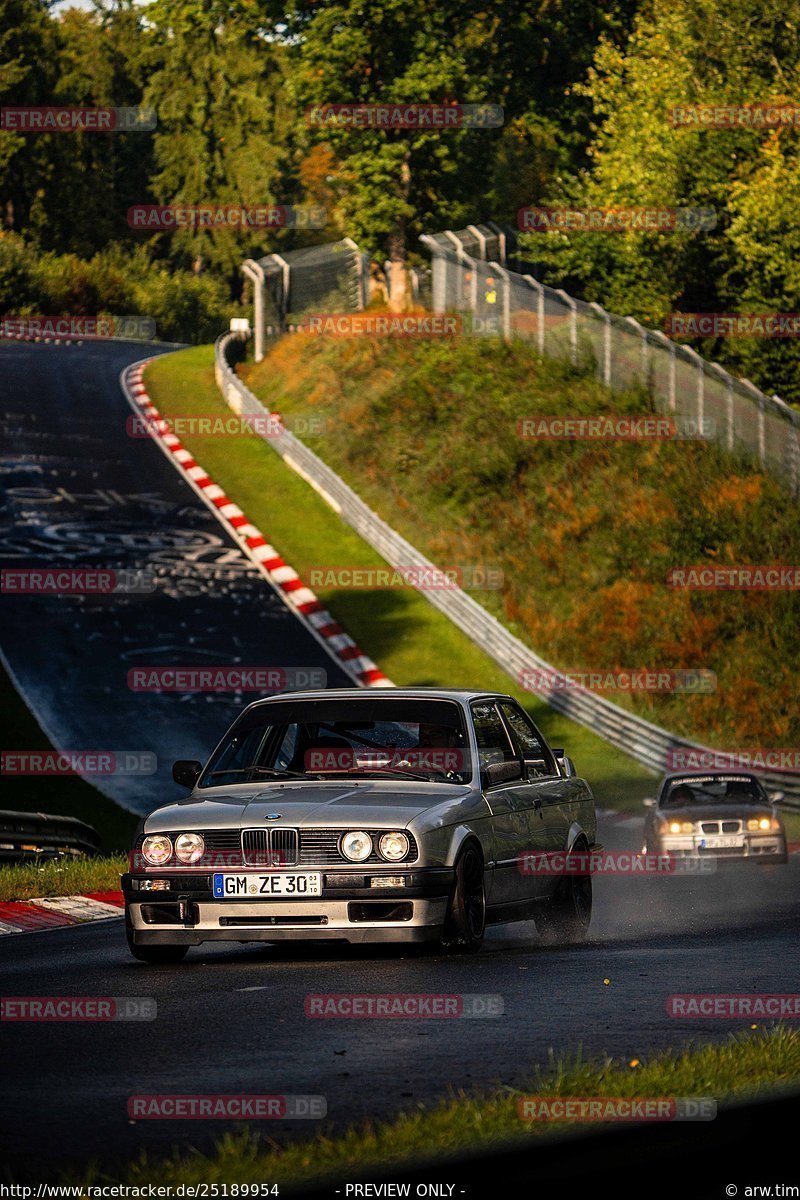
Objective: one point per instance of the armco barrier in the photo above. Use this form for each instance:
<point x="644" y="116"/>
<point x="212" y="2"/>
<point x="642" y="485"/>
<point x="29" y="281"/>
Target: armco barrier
<point x="647" y="743"/>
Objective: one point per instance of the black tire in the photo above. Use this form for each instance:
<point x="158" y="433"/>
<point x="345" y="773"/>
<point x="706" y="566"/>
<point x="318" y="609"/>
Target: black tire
<point x="155" y="955"/>
<point x="564" y="920"/>
<point x="465" y="922"/>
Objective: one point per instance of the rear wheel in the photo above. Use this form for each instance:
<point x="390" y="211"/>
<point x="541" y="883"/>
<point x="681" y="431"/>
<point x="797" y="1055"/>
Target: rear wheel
<point x="465" y="922"/>
<point x="155" y="955"/>
<point x="565" y="919"/>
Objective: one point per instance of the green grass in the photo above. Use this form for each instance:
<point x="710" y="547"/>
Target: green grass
<point x="745" y="1065"/>
<point x="412" y="642"/>
<point x="67" y="877"/>
<point x="584" y="532"/>
<point x="62" y="795"/>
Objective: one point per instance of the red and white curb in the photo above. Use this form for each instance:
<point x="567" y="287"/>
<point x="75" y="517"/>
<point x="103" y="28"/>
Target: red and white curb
<point x="295" y="593"/>
<point x="34" y="916"/>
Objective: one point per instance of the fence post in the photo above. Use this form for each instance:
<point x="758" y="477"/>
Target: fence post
<point x="501" y="241"/>
<point x="573" y="323"/>
<point x="701" y="379"/>
<point x="644" y="351"/>
<point x="759" y="396"/>
<point x="438" y="273"/>
<point x="606" y="319"/>
<point x="793" y="455"/>
<point x="730" y="409"/>
<point x="539" y="289"/>
<point x="473" y="229"/>
<point x="286" y="275"/>
<point x="255" y="273"/>
<point x="504" y="275"/>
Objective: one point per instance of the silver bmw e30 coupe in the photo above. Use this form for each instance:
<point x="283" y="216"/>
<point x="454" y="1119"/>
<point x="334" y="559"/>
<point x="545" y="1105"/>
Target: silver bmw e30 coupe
<point x="383" y="815"/>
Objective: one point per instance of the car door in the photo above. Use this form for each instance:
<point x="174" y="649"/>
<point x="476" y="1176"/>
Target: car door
<point x="551" y="801"/>
<point x="510" y="802"/>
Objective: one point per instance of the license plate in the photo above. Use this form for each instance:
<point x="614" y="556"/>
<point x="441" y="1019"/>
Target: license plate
<point x="255" y="887"/>
<point x="723" y="843"/>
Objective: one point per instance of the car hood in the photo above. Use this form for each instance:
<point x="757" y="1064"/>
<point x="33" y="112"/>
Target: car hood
<point x="716" y="812"/>
<point x="331" y="804"/>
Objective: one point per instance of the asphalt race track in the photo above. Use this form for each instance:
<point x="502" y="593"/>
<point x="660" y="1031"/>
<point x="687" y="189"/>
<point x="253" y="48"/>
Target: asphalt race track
<point x="80" y="492"/>
<point x="232" y="1020"/>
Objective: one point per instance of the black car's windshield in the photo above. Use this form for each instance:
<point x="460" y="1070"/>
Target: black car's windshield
<point x="363" y="737"/>
<point x="712" y="789"/>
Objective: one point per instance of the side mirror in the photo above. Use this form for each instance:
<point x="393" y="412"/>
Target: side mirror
<point x="186" y="771"/>
<point x="649" y="802"/>
<point x="776" y="797"/>
<point x="565" y="764"/>
<point x="500" y="772"/>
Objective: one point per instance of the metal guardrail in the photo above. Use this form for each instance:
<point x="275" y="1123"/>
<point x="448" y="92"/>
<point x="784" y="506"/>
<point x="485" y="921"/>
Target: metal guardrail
<point x="26" y="837"/>
<point x="647" y="743"/>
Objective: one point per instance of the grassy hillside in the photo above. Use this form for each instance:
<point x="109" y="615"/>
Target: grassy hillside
<point x="585" y="533"/>
<point x="412" y="642"/>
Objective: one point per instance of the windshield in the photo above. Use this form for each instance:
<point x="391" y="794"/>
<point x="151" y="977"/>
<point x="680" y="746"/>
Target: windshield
<point x="362" y="737"/>
<point x="713" y="789"/>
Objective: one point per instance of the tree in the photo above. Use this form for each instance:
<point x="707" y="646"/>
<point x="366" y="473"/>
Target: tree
<point x="722" y="52"/>
<point x="218" y="93"/>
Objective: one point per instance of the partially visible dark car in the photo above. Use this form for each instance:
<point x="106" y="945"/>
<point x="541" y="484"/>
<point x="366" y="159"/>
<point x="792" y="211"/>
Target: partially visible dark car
<point x="26" y="837"/>
<point x="716" y="815"/>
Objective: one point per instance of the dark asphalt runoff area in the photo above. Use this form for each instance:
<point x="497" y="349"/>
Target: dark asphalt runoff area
<point x="79" y="492"/>
<point x="232" y="1019"/>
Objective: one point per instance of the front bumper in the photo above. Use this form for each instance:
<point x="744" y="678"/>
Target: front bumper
<point x="760" y="848"/>
<point x="186" y="912"/>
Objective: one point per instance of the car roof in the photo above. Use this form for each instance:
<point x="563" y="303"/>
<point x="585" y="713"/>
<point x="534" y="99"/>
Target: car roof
<point x="460" y="695"/>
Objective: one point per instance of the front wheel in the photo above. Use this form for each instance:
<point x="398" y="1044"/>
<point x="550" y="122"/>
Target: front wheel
<point x="565" y="919"/>
<point x="465" y="923"/>
<point x="155" y="955"/>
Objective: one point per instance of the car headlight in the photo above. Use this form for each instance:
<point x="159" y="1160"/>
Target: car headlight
<point x="157" y="849"/>
<point x="356" y="846"/>
<point x="393" y="846"/>
<point x="762" y="824"/>
<point x="189" y="847"/>
<point x="681" y="827"/>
